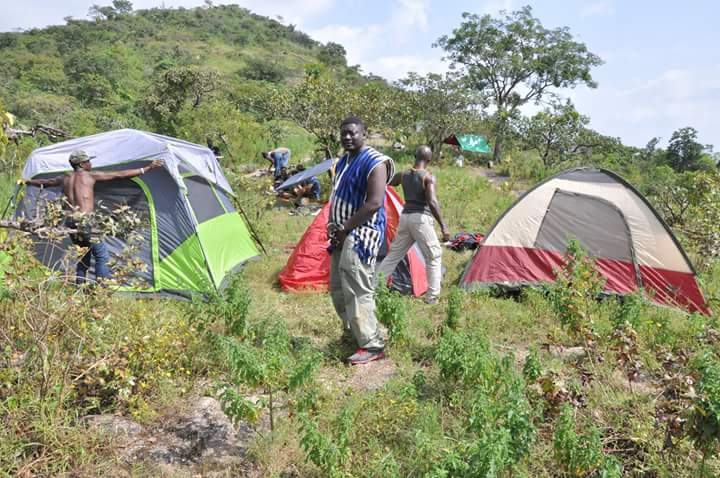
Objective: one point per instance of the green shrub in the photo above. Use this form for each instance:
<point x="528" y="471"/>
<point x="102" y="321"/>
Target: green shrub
<point x="499" y="430"/>
<point x="392" y="313"/>
<point x="268" y="360"/>
<point x="575" y="292"/>
<point x="261" y="69"/>
<point x="328" y="450"/>
<point x="532" y="369"/>
<point x="465" y="358"/>
<point x="630" y="310"/>
<point x="704" y="421"/>
<point x="580" y="454"/>
<point x="522" y="166"/>
<point x="454" y="307"/>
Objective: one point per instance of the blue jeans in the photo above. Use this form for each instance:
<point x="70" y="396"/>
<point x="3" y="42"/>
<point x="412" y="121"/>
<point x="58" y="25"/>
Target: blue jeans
<point x="100" y="252"/>
<point x="280" y="160"/>
<point x="315" y="190"/>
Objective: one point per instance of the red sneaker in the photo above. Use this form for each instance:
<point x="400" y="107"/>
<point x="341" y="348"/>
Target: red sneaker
<point x="363" y="356"/>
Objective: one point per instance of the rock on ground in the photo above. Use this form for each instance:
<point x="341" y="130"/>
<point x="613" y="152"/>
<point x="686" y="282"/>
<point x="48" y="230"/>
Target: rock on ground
<point x="200" y="442"/>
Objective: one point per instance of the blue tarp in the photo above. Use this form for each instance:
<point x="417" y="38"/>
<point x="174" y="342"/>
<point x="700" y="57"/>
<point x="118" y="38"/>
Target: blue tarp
<point x="298" y="178"/>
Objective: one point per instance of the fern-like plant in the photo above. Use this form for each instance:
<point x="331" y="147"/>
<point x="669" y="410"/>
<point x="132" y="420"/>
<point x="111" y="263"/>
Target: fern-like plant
<point x="577" y="286"/>
<point x="581" y="455"/>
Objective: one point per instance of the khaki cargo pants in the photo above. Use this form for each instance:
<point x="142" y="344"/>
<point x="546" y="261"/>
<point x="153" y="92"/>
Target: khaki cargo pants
<point x="420" y="228"/>
<point x="352" y="288"/>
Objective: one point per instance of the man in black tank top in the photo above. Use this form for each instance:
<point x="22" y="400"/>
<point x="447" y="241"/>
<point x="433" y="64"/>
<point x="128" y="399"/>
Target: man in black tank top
<point x="417" y="224"/>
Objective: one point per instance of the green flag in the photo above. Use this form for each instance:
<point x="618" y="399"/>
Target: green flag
<point x="473" y="142"/>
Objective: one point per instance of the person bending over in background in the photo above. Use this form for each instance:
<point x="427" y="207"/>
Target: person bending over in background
<point x="79" y="188"/>
<point x="356" y="229"/>
<point x="416" y="222"/>
<point x="279" y="158"/>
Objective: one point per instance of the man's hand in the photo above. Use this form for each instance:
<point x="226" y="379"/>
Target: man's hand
<point x="445" y="235"/>
<point x="338" y="238"/>
<point x="336" y="234"/>
<point x="156" y="163"/>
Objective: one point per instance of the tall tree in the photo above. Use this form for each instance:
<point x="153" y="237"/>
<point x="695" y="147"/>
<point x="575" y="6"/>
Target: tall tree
<point x="439" y="106"/>
<point x="554" y="132"/>
<point x="684" y="151"/>
<point x="319" y="103"/>
<point x="514" y="59"/>
<point x="118" y="9"/>
<point x="176" y="89"/>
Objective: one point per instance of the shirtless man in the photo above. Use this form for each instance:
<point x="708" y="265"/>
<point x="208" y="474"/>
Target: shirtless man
<point x="79" y="189"/>
<point x="417" y="224"/>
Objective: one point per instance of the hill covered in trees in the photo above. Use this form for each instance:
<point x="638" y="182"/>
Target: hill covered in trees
<point x="153" y="69"/>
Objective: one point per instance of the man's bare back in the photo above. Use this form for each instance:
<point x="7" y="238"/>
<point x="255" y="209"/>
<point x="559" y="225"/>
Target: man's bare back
<point x="79" y="188"/>
<point x="79" y="185"/>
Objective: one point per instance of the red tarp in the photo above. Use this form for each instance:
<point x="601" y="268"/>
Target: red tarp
<point x="308" y="267"/>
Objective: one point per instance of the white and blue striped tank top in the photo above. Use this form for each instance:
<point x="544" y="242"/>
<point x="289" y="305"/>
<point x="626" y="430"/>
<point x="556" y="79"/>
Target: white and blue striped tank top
<point x="350" y="193"/>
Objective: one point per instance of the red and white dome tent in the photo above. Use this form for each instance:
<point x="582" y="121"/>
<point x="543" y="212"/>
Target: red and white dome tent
<point x="633" y="247"/>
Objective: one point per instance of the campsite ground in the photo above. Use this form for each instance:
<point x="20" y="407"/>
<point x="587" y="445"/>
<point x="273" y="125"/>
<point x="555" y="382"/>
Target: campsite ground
<point x="624" y="411"/>
<point x="406" y="418"/>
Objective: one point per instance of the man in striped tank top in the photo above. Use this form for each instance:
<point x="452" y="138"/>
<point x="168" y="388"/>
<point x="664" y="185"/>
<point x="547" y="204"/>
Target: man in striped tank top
<point x="416" y="223"/>
<point x="356" y="229"/>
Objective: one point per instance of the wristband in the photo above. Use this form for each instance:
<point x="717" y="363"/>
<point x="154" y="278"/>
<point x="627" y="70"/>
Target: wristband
<point x="142" y="170"/>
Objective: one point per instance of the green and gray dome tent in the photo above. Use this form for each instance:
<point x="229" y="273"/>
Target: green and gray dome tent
<point x="194" y="238"/>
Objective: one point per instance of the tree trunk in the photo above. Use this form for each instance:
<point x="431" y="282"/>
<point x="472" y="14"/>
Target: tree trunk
<point x="499" y="135"/>
<point x="497" y="149"/>
<point x="435" y="147"/>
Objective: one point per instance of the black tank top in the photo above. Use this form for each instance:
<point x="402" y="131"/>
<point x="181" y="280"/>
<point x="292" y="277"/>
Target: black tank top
<point x="413" y="187"/>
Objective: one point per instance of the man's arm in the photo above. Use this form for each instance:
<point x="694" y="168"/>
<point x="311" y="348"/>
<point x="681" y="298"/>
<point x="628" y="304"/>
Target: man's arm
<point x="374" y="200"/>
<point x="431" y="198"/>
<point x="125" y="174"/>
<point x="396" y="180"/>
<point x="56" y="181"/>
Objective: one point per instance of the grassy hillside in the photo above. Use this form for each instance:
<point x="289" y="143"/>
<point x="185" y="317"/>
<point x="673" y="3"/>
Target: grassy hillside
<point x="93" y="75"/>
<point x="550" y="383"/>
<point x="474" y="382"/>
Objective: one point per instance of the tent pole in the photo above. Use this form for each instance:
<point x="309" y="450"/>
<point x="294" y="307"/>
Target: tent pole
<point x="253" y="232"/>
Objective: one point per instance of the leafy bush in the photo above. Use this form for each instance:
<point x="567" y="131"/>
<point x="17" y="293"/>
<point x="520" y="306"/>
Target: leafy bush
<point x="262" y="69"/>
<point x="454" y="306"/>
<point x="230" y="308"/>
<point x="630" y="310"/>
<point x="65" y="353"/>
<point x="580" y="454"/>
<point x="465" y="358"/>
<point x="259" y="356"/>
<point x="532" y="369"/>
<point x="522" y="166"/>
<point x="704" y="421"/>
<point x="328" y="450"/>
<point x="576" y="289"/>
<point x="391" y="312"/>
<point x="499" y="424"/>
